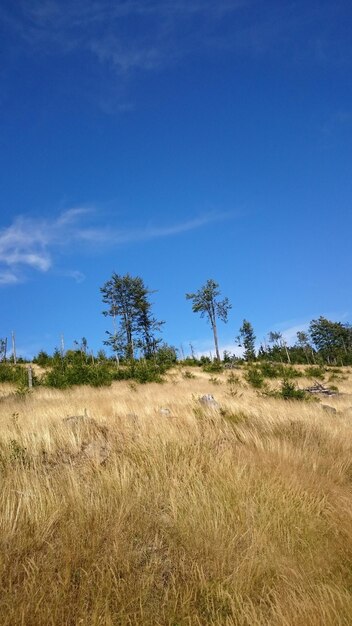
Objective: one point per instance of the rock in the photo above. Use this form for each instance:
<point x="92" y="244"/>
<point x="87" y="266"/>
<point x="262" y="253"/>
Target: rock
<point x="329" y="409"/>
<point x="95" y="446"/>
<point x="209" y="401"/>
<point x="164" y="411"/>
<point x="96" y="451"/>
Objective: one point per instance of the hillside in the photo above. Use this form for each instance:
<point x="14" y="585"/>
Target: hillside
<point x="153" y="509"/>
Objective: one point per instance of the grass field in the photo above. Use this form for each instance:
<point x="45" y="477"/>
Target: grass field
<point x="235" y="516"/>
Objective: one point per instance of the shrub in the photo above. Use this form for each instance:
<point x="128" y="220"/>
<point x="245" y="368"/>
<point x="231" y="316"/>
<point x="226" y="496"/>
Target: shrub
<point x="15" y="374"/>
<point x="288" y="391"/>
<point x="63" y="375"/>
<point x="270" y="370"/>
<point x="233" y="382"/>
<point x="42" y="359"/>
<point x="187" y="374"/>
<point x="278" y="370"/>
<point x="166" y="356"/>
<point x="147" y="372"/>
<point x="315" y="371"/>
<point x="213" y="367"/>
<point x="254" y="377"/>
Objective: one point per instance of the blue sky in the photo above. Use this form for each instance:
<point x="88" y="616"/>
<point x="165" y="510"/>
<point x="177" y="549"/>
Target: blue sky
<point x="177" y="141"/>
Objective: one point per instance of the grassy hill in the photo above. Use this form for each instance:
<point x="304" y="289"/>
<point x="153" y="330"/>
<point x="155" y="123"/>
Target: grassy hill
<point x="153" y="509"/>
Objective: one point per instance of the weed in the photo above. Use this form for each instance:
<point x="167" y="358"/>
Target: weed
<point x="187" y="375"/>
<point x="18" y="453"/>
<point x="233" y="383"/>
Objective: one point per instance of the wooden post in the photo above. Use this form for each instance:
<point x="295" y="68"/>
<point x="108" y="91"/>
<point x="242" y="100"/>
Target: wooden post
<point x="14" y="348"/>
<point x="30" y="377"/>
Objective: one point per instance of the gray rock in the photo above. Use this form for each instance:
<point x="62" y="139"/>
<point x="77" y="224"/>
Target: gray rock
<point x="164" y="411"/>
<point x="329" y="409"/>
<point x="209" y="401"/>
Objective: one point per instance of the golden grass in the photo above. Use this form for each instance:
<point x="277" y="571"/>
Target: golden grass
<point x="238" y="517"/>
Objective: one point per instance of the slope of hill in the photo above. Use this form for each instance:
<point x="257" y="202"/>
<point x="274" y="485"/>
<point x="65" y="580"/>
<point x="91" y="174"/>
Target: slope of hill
<point x="147" y="507"/>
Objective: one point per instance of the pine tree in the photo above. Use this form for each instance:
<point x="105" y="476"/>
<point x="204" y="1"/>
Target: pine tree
<point x="134" y="325"/>
<point x="246" y="340"/>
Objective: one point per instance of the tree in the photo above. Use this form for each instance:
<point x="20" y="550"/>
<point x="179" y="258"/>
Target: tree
<point x="134" y="325"/>
<point x="304" y="345"/>
<point x="278" y="343"/>
<point x="246" y="340"/>
<point x="148" y="326"/>
<point x="333" y="340"/>
<point x="205" y="302"/>
<point x="3" y="349"/>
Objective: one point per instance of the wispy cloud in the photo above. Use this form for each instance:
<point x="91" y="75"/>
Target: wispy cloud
<point x="103" y="27"/>
<point x="149" y="34"/>
<point x="8" y="277"/>
<point x="30" y="243"/>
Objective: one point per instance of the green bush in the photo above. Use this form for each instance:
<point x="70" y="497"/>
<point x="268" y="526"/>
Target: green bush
<point x="63" y="375"/>
<point x="288" y="391"/>
<point x="254" y="377"/>
<point x="15" y="374"/>
<point x="213" y="367"/>
<point x="147" y="372"/>
<point x="278" y="370"/>
<point x="166" y="355"/>
<point x="42" y="359"/>
<point x="315" y="371"/>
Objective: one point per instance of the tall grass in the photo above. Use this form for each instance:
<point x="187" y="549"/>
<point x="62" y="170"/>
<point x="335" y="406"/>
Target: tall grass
<point x="239" y="516"/>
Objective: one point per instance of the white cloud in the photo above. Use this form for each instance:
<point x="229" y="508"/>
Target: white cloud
<point x="8" y="277"/>
<point x="99" y="27"/>
<point x="32" y="243"/>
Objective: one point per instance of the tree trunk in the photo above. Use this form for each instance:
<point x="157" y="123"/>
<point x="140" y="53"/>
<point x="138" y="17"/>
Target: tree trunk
<point x="287" y="354"/>
<point x="215" y="332"/>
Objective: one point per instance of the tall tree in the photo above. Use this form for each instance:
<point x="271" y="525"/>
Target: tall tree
<point x="333" y="340"/>
<point x="206" y="303"/>
<point x="304" y="345"/>
<point x="278" y="343"/>
<point x="147" y="325"/>
<point x="246" y="340"/>
<point x="133" y="323"/>
<point x="3" y="349"/>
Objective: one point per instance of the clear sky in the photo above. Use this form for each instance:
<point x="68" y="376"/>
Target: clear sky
<point x="178" y="140"/>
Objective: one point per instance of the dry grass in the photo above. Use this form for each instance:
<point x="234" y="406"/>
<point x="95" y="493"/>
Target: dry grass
<point x="198" y="517"/>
